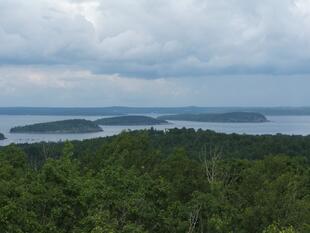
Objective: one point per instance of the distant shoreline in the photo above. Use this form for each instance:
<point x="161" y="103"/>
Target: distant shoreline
<point x="117" y="111"/>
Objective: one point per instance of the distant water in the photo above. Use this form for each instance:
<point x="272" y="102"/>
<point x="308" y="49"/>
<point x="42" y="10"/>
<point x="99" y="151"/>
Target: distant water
<point x="291" y="125"/>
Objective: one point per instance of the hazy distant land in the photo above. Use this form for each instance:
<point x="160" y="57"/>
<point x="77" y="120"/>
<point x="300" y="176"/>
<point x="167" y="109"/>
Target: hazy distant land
<point x="131" y="120"/>
<point x="233" y="117"/>
<point x="59" y="127"/>
<point x="113" y="111"/>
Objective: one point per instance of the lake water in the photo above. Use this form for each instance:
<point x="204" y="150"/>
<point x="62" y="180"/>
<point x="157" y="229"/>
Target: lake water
<point x="291" y="125"/>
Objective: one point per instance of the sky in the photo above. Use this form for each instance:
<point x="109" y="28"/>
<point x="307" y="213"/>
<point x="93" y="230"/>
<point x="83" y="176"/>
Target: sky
<point x="154" y="53"/>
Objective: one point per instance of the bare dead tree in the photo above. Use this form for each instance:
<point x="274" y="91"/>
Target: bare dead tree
<point x="210" y="159"/>
<point x="45" y="151"/>
<point x="193" y="219"/>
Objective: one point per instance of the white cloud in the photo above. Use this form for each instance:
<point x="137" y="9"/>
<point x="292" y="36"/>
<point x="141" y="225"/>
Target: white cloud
<point x="62" y="86"/>
<point x="154" y="39"/>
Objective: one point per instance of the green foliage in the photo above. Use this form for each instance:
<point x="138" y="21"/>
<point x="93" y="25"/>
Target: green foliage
<point x="150" y="181"/>
<point x="274" y="228"/>
<point x="68" y="149"/>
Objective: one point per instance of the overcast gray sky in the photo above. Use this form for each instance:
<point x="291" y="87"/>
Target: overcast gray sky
<point x="154" y="52"/>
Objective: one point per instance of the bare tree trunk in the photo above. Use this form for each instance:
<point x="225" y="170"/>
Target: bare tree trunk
<point x="193" y="219"/>
<point x="45" y="152"/>
<point x="210" y="161"/>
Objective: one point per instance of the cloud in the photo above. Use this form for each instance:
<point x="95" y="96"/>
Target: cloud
<point x="156" y="39"/>
<point x="160" y="53"/>
<point x="37" y="86"/>
<point x="60" y="86"/>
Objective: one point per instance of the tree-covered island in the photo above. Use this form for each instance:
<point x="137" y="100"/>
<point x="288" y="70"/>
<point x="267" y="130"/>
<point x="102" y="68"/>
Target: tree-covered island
<point x="65" y="126"/>
<point x="130" y="120"/>
<point x="231" y="117"/>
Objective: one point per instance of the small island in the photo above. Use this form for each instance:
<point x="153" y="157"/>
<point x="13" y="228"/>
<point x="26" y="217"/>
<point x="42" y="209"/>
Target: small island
<point x="130" y="120"/>
<point x="231" y="117"/>
<point x="60" y="127"/>
<point x="2" y="136"/>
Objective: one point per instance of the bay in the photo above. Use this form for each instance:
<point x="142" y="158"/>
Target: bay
<point x="290" y="125"/>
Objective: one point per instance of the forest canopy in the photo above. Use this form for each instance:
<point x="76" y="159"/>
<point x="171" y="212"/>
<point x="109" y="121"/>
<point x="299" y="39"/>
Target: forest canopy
<point x="147" y="181"/>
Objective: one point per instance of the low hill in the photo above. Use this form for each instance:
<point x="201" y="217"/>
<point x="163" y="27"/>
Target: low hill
<point x="233" y="117"/>
<point x="66" y="126"/>
<point x="2" y="136"/>
<point x="130" y="120"/>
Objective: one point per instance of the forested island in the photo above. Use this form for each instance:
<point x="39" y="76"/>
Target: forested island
<point x="232" y="117"/>
<point x="65" y="126"/>
<point x="2" y="137"/>
<point x="150" y="181"/>
<point x="131" y="120"/>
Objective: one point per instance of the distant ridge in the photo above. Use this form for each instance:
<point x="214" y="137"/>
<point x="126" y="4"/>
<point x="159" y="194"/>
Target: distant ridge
<point x="120" y="110"/>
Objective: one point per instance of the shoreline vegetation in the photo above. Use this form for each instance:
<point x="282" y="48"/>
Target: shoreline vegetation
<point x="231" y="117"/>
<point x="130" y="120"/>
<point x="59" y="127"/>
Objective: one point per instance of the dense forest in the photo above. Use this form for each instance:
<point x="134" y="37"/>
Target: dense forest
<point x="65" y="126"/>
<point x="242" y="117"/>
<point x="146" y="181"/>
<point x="2" y="137"/>
<point x="130" y="120"/>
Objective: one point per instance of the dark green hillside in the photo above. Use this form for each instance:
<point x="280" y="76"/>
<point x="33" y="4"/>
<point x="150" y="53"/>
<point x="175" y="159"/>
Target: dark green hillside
<point x="66" y="126"/>
<point x="2" y="136"/>
<point x="236" y="117"/>
<point x="130" y="120"/>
